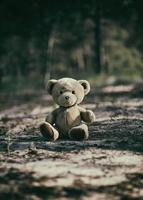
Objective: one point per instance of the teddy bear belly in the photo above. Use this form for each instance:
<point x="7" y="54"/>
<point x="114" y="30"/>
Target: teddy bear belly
<point x="68" y="119"/>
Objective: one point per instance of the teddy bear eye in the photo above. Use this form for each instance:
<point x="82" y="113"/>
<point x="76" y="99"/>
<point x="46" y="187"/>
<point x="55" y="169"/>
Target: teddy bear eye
<point x="73" y="92"/>
<point x="61" y="92"/>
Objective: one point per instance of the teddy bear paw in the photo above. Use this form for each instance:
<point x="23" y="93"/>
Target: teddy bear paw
<point x="79" y="132"/>
<point x="48" y="131"/>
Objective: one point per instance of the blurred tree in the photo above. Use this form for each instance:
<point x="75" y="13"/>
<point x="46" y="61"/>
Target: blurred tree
<point x="60" y="36"/>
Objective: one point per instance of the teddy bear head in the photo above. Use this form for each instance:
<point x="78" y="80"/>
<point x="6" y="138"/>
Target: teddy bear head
<point x="68" y="92"/>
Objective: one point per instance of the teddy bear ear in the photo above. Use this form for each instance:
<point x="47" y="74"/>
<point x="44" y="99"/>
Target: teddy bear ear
<point x="85" y="84"/>
<point x="50" y="85"/>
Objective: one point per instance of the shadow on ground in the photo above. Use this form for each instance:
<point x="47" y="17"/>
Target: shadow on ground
<point x="115" y="134"/>
<point x="17" y="184"/>
<point x="107" y="166"/>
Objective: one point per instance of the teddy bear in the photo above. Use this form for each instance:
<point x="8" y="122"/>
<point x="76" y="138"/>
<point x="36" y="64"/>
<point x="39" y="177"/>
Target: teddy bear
<point x="69" y="120"/>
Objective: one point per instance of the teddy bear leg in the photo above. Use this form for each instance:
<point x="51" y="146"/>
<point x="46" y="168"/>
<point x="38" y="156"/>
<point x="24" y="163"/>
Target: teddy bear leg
<point x="79" y="132"/>
<point x="49" y="132"/>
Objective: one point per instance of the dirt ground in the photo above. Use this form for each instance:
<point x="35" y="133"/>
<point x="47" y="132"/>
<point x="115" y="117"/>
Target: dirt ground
<point x="107" y="166"/>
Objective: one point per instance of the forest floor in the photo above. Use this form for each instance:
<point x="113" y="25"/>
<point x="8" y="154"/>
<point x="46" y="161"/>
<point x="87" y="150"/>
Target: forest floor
<point x="108" y="166"/>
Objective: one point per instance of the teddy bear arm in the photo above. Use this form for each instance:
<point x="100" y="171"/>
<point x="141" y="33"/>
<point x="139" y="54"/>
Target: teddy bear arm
<point x="87" y="115"/>
<point x="51" y="117"/>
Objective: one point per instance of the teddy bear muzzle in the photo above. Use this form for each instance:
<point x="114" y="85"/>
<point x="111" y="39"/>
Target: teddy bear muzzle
<point x="67" y="99"/>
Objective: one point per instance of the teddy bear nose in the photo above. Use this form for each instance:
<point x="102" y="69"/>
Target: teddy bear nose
<point x="67" y="97"/>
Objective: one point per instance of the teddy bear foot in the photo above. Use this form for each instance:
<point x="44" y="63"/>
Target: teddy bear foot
<point x="49" y="132"/>
<point x="79" y="132"/>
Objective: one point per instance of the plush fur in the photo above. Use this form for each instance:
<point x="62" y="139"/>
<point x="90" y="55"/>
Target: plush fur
<point x="67" y="120"/>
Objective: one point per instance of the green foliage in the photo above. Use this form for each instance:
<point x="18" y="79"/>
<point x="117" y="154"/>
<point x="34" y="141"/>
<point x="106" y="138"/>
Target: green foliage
<point x="123" y="60"/>
<point x="60" y="39"/>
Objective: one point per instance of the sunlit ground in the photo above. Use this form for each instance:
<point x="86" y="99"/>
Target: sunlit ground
<point x="107" y="166"/>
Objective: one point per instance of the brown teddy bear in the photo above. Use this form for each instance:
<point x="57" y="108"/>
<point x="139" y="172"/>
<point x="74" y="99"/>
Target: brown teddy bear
<point x="67" y="120"/>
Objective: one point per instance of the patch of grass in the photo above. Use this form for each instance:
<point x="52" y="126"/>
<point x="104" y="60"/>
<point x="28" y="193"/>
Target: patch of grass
<point x="36" y="83"/>
<point x="22" y="84"/>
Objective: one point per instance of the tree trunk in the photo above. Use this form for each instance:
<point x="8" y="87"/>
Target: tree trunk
<point x="98" y="44"/>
